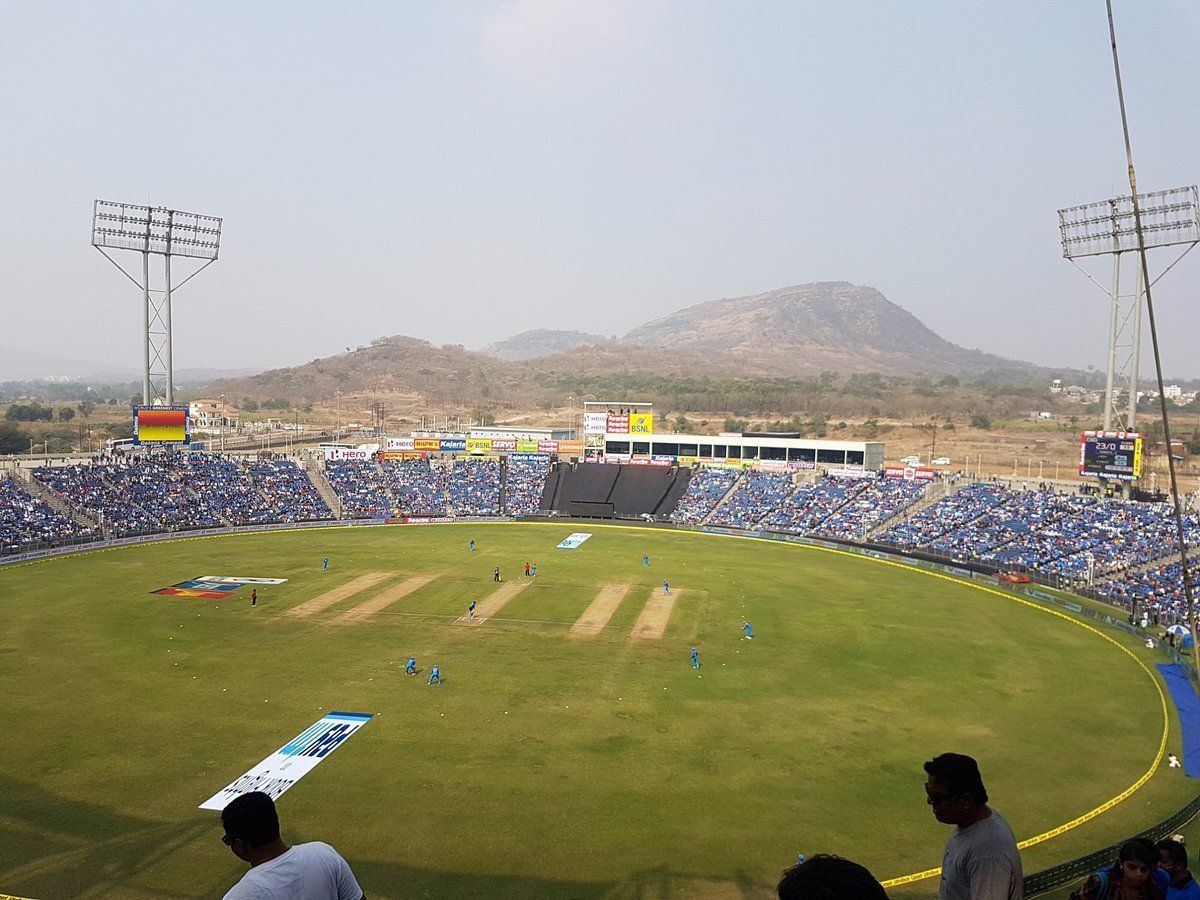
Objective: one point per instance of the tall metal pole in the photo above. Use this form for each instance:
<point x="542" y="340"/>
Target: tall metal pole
<point x="1131" y="417"/>
<point x="1112" y="343"/>
<point x="1180" y="535"/>
<point x="145" y="328"/>
<point x="170" y="363"/>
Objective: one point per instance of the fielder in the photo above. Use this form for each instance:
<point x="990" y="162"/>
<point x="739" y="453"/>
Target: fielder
<point x="435" y="676"/>
<point x="411" y="667"/>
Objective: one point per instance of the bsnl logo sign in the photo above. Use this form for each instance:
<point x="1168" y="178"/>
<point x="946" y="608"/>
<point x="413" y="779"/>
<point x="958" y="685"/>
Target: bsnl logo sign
<point x="641" y="423"/>
<point x="320" y="740"/>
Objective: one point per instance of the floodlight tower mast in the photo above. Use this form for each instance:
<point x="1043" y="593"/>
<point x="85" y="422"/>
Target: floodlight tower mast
<point x="1168" y="219"/>
<point x="162" y="232"/>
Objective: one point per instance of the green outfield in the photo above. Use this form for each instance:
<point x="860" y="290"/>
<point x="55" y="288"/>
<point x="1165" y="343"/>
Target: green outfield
<point x="558" y="759"/>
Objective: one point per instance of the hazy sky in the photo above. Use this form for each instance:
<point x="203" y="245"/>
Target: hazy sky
<point x="461" y="172"/>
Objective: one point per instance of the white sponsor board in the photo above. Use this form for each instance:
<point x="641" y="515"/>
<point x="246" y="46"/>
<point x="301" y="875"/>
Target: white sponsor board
<point x="571" y="541"/>
<point x="293" y="760"/>
<point x="851" y="472"/>
<point x="237" y="579"/>
<point x="595" y="423"/>
<point x="336" y="453"/>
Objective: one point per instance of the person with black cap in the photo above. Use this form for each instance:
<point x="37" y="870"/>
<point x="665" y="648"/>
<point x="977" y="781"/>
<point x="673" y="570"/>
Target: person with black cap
<point x="312" y="871"/>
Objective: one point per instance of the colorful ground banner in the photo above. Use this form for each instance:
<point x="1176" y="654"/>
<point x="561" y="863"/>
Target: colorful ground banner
<point x="240" y="579"/>
<point x="571" y="541"/>
<point x="161" y="425"/>
<point x="293" y="760"/>
<point x="199" y="590"/>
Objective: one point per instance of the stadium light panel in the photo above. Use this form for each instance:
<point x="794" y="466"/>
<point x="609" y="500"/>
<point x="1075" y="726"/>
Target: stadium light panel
<point x="1169" y="218"/>
<point x="126" y="226"/>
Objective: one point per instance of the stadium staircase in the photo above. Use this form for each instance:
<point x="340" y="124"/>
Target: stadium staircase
<point x="737" y="482"/>
<point x="502" y="499"/>
<point x="393" y="504"/>
<point x="938" y="490"/>
<point x="56" y="502"/>
<point x="316" y="474"/>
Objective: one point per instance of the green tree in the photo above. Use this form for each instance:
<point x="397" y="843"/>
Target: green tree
<point x="86" y="408"/>
<point x="682" y="424"/>
<point x="249" y="405"/>
<point x="12" y="438"/>
<point x="979" y="420"/>
<point x="66" y="413"/>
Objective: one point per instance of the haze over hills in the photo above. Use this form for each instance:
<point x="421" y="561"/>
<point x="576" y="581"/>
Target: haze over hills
<point x="795" y="331"/>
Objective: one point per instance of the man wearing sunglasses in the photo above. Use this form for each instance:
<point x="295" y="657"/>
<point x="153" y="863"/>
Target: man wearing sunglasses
<point x="312" y="871"/>
<point x="981" y="861"/>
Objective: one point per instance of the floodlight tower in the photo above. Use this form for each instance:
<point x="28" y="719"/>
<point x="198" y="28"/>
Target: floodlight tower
<point x="163" y="232"/>
<point x="1169" y="219"/>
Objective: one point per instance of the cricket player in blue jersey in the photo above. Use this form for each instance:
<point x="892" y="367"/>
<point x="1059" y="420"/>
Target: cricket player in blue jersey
<point x="411" y="667"/>
<point x="749" y="631"/>
<point x="435" y="675"/>
<point x="666" y="588"/>
<point x="471" y="611"/>
<point x="325" y="564"/>
<point x="695" y="658"/>
<point x="645" y="559"/>
<point x="472" y="545"/>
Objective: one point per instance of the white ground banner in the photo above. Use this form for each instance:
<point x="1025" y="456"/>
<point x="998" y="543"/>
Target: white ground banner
<point x="571" y="541"/>
<point x="237" y="579"/>
<point x="293" y="760"/>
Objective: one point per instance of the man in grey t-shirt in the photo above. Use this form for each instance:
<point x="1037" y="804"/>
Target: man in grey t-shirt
<point x="981" y="861"/>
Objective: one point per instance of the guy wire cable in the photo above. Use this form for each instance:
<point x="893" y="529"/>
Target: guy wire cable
<point x="1162" y="400"/>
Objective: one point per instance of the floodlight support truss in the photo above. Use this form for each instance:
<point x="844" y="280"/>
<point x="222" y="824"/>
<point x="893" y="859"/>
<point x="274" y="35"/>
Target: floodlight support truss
<point x="158" y="374"/>
<point x="162" y="232"/>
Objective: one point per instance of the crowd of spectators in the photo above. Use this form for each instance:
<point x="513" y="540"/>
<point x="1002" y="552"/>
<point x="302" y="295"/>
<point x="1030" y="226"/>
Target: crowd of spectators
<point x="418" y="487"/>
<point x="524" y="482"/>
<point x="27" y="521"/>
<point x="756" y="495"/>
<point x="360" y="486"/>
<point x="704" y="491"/>
<point x="167" y="492"/>
<point x="1066" y="535"/>
<point x="474" y="487"/>
<point x="859" y="506"/>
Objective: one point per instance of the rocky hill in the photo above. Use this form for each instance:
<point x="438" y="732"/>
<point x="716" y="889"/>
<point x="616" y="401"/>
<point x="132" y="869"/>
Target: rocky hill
<point x="542" y="342"/>
<point x="811" y="328"/>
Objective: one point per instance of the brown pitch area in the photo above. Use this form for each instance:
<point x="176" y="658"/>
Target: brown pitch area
<point x="323" y="601"/>
<point x="600" y="610"/>
<point x="494" y="602"/>
<point x="384" y="599"/>
<point x="655" y="615"/>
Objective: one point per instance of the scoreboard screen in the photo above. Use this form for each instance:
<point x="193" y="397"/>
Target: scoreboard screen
<point x="161" y="425"/>
<point x="1111" y="454"/>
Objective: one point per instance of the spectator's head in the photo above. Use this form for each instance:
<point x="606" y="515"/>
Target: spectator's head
<point x="954" y="788"/>
<point x="829" y="878"/>
<point x="251" y="824"/>
<point x="1136" y="861"/>
<point x="1172" y="858"/>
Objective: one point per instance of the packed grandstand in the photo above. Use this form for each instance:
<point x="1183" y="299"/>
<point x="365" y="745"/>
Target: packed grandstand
<point x="1121" y="549"/>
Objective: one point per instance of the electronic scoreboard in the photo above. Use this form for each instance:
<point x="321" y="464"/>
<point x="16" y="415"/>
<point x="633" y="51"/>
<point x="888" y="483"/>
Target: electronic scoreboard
<point x="1111" y="454"/>
<point x="161" y="425"/>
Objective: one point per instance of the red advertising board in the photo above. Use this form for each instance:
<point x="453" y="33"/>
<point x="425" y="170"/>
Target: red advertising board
<point x="502" y="445"/>
<point x="910" y="473"/>
<point x="617" y="425"/>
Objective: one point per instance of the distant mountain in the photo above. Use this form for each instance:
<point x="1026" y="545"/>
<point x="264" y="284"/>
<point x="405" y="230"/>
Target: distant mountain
<point x="542" y="342"/>
<point x="810" y="328"/>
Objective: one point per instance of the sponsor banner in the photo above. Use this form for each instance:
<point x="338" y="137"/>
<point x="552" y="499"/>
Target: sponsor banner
<point x="641" y="423"/>
<point x="414" y="455"/>
<point x="769" y="465"/>
<point x="617" y="458"/>
<point x="798" y="464"/>
<point x="571" y="541"/>
<point x="595" y="423"/>
<point x="505" y="445"/>
<point x="640" y="461"/>
<point x="544" y="457"/>
<point x="688" y="460"/>
<point x="427" y="445"/>
<point x="391" y="454"/>
<point x="293" y="760"/>
<point x="851" y="472"/>
<point x="237" y="579"/>
<point x="660" y="461"/>
<point x="337" y="453"/>
<point x="454" y="444"/>
<point x="547" y="446"/>
<point x="479" y="445"/>
<point x="527" y="446"/>
<point x="425" y="520"/>
<point x="617" y="425"/>
<point x="399" y="443"/>
<point x="663" y="458"/>
<point x="571" y="447"/>
<point x="910" y="473"/>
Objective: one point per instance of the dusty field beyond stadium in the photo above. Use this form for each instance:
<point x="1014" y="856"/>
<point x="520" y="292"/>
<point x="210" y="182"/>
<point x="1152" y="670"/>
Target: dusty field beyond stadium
<point x="562" y="757"/>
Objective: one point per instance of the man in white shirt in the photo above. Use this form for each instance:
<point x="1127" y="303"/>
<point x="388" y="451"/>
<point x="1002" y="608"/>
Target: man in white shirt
<point x="981" y="861"/>
<point x="312" y="871"/>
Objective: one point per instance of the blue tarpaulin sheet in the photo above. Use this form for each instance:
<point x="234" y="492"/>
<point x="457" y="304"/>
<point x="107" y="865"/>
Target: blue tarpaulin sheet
<point x="1188" y="705"/>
